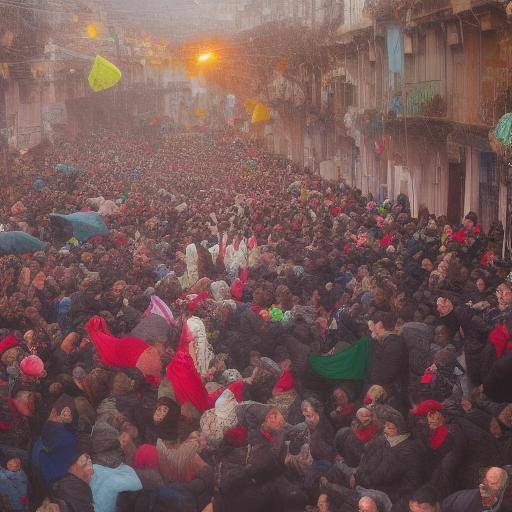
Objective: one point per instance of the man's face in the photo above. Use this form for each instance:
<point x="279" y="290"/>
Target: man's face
<point x="311" y="416"/>
<point x="390" y="429"/>
<point x="444" y="306"/>
<point x="364" y="416"/>
<point x="323" y="503"/>
<point x="504" y="294"/>
<point x="435" y="420"/>
<point x="491" y="487"/>
<point x="468" y="224"/>
<point x="376" y="328"/>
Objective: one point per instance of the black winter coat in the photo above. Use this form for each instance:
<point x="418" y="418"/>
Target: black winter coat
<point x="498" y="383"/>
<point x="396" y="470"/>
<point x="75" y="493"/>
<point x="463" y="501"/>
<point x="389" y="364"/>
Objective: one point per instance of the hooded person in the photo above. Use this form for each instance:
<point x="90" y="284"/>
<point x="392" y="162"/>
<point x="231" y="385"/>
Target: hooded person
<point x="215" y="422"/>
<point x="344" y="409"/>
<point x="165" y="421"/>
<point x="394" y="464"/>
<point x="487" y="497"/>
<point x="13" y="483"/>
<point x="57" y="446"/>
<point x="73" y="489"/>
<point x="445" y="445"/>
<point x="350" y="442"/>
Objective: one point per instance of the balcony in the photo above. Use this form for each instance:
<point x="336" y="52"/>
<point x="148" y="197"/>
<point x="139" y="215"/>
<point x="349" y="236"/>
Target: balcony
<point x="424" y="99"/>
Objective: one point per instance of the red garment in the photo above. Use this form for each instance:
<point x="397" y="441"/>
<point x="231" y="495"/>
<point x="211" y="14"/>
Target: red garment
<point x="237" y="290"/>
<point x="335" y="211"/>
<point x="192" y="305"/>
<point x="284" y="384"/>
<point x="252" y="242"/>
<point x="426" y="407"/>
<point x="460" y="236"/>
<point x="236" y="436"/>
<point x="244" y="275"/>
<point x="386" y="241"/>
<point x="121" y="352"/>
<point x="7" y="343"/>
<point x="186" y="338"/>
<point x="189" y="387"/>
<point x="146" y="456"/>
<point x="427" y="377"/>
<point x="364" y="434"/>
<point x="266" y="435"/>
<point x="438" y="436"/>
<point x="237" y="388"/>
<point x="500" y="338"/>
<point x="187" y="383"/>
<point x="347" y="410"/>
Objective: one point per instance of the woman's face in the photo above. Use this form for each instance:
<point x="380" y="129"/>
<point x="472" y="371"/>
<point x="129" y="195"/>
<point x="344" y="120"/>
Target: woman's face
<point x="390" y="429"/>
<point x="340" y="398"/>
<point x="160" y="413"/>
<point x="480" y="285"/>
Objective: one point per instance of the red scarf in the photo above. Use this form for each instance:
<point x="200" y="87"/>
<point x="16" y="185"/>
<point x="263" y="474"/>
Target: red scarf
<point x="500" y="338"/>
<point x="438" y="436"/>
<point x="284" y="384"/>
<point x="427" y="377"/>
<point x="347" y="410"/>
<point x="364" y="434"/>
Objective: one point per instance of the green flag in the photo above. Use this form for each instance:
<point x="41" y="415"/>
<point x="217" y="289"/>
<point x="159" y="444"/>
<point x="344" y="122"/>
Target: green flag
<point x="351" y="364"/>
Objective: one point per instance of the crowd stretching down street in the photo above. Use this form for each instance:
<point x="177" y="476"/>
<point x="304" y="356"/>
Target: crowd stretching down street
<point x="214" y="330"/>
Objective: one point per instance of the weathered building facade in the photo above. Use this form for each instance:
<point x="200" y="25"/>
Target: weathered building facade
<point x="400" y="100"/>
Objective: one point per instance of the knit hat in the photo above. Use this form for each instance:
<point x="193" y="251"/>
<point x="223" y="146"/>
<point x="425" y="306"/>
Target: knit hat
<point x="7" y="343"/>
<point x="32" y="366"/>
<point x="426" y="407"/>
<point x="472" y="216"/>
<point x="146" y="456"/>
<point x="386" y="413"/>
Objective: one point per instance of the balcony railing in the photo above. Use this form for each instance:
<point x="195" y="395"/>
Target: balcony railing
<point x="425" y="99"/>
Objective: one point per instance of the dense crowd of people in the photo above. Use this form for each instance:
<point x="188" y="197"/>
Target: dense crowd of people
<point x="246" y="337"/>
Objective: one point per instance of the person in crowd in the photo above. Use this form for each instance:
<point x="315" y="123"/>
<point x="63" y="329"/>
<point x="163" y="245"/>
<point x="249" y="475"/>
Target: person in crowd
<point x="234" y="338"/>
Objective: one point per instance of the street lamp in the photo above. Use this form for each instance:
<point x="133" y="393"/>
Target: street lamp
<point x="205" y="57"/>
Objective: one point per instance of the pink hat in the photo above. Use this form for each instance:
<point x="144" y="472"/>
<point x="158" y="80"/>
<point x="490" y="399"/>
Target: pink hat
<point x="32" y="366"/>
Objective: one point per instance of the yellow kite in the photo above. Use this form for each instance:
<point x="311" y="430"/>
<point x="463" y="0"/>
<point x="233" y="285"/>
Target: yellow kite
<point x="103" y="74"/>
<point x="260" y="114"/>
<point x="250" y="105"/>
